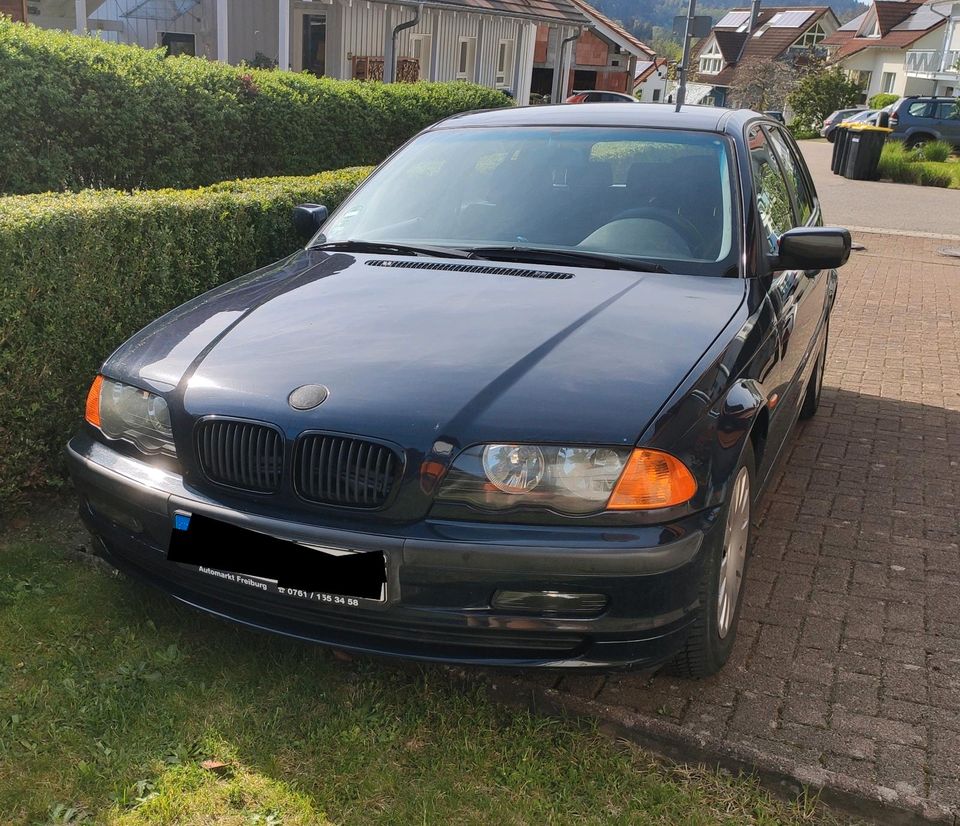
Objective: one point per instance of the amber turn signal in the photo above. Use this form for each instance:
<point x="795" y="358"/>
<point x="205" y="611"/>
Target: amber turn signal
<point x="92" y="411"/>
<point x="652" y="479"/>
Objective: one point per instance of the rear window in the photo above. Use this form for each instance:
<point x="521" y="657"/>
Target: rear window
<point x="655" y="195"/>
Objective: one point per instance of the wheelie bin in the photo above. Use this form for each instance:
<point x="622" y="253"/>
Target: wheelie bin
<point x="862" y="155"/>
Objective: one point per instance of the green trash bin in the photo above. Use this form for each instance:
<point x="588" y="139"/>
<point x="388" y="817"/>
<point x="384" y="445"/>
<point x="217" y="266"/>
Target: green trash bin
<point x="862" y="155"/>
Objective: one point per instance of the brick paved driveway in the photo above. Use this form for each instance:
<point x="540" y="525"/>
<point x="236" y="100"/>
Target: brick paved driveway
<point x="848" y="656"/>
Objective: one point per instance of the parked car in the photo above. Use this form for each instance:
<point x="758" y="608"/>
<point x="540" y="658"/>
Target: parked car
<point x="918" y="120"/>
<point x="864" y="116"/>
<point x="513" y="403"/>
<point x="601" y="97"/>
<point x="834" y="119"/>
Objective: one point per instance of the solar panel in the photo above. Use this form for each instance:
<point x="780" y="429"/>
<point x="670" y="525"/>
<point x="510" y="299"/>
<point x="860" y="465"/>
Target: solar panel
<point x="732" y="19"/>
<point x="923" y="18"/>
<point x="789" y="19"/>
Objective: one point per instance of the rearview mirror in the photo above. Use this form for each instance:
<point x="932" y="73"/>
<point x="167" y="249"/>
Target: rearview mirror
<point x="308" y="218"/>
<point x="812" y="248"/>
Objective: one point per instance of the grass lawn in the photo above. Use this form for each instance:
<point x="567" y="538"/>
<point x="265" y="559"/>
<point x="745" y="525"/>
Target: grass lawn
<point x="112" y="697"/>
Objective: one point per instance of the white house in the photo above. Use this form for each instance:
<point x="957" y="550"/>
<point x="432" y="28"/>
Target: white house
<point x="873" y="47"/>
<point x="939" y="63"/>
<point x="490" y="42"/>
<point x="651" y="79"/>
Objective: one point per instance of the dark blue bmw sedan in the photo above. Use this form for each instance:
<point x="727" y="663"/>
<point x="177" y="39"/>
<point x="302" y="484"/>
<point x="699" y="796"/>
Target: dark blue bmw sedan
<point x="512" y="404"/>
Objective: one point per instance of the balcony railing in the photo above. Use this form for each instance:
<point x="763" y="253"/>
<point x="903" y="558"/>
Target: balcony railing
<point x="933" y="62"/>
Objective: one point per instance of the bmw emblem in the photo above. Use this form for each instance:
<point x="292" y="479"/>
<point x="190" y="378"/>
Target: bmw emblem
<point x="308" y="396"/>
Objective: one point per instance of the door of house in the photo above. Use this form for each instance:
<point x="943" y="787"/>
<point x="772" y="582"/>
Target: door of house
<point x="315" y="44"/>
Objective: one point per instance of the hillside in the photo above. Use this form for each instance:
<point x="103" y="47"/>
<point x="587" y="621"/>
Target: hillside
<point x="643" y="16"/>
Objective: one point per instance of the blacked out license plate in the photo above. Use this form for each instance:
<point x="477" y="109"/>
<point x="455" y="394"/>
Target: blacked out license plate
<point x="330" y="576"/>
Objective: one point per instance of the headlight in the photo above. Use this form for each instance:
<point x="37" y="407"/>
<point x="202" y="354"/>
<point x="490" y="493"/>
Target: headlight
<point x="574" y="480"/>
<point x="125" y="412"/>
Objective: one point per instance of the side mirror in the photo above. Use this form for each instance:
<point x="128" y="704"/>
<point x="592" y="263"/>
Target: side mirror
<point x="308" y="218"/>
<point x="812" y="248"/>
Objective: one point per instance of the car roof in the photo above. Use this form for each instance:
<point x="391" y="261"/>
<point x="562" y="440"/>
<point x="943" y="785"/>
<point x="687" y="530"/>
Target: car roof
<point x="653" y="115"/>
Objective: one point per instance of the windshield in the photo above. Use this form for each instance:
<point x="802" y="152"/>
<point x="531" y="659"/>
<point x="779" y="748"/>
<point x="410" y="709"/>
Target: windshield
<point x="646" y="195"/>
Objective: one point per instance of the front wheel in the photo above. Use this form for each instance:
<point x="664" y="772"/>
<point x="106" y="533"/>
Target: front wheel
<point x="712" y="634"/>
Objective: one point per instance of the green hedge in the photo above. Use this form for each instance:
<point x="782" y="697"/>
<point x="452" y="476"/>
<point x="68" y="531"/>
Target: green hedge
<point x="882" y="100"/>
<point x="77" y="112"/>
<point x="79" y="273"/>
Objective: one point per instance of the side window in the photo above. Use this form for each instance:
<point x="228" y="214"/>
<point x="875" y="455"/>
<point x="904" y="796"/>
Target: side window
<point x="918" y="109"/>
<point x="949" y="110"/>
<point x="793" y="168"/>
<point x="773" y="198"/>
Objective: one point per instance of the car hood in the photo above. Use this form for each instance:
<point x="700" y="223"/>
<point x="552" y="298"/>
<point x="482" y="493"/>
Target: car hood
<point x="416" y="354"/>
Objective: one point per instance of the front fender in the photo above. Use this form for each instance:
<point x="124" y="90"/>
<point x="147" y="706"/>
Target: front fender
<point x="741" y="409"/>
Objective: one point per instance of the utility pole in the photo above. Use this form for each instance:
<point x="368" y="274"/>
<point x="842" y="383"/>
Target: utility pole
<point x="687" y="34"/>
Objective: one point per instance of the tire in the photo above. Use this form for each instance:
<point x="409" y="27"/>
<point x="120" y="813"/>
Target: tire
<point x="811" y="397"/>
<point x="915" y="141"/>
<point x="831" y="136"/>
<point x="713" y="632"/>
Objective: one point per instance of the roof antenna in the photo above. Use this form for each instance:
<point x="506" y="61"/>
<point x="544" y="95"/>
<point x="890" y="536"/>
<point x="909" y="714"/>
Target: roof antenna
<point x="687" y="33"/>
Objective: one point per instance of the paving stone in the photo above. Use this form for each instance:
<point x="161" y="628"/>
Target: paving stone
<point x="902" y="768"/>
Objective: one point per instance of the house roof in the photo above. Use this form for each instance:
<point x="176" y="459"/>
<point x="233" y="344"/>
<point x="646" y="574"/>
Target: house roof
<point x="547" y="11"/>
<point x="901" y="23"/>
<point x="614" y="31"/>
<point x="777" y="28"/>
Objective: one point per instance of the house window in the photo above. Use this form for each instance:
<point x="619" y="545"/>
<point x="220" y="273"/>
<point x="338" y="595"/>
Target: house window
<point x="504" y="63"/>
<point x="656" y="95"/>
<point x="887" y="81"/>
<point x="420" y="45"/>
<point x="711" y="61"/>
<point x="811" y="37"/>
<point x="176" y="43"/>
<point x="466" y="54"/>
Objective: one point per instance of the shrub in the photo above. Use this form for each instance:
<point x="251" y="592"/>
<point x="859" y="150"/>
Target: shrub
<point x="79" y="273"/>
<point x="937" y="151"/>
<point x="879" y="101"/>
<point x="79" y="112"/>
<point x="801" y="132"/>
<point x="933" y="175"/>
<point x="819" y="92"/>
<point x="896" y="163"/>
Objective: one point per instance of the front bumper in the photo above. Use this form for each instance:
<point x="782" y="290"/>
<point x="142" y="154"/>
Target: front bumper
<point x="440" y="575"/>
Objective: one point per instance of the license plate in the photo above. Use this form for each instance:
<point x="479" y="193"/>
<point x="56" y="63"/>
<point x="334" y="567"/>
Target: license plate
<point x="331" y="576"/>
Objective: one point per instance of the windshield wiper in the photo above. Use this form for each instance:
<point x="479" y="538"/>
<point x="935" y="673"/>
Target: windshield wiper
<point x="392" y="249"/>
<point x="542" y="255"/>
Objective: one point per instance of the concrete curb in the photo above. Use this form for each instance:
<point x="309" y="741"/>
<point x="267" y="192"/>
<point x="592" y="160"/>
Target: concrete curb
<point x="877" y="803"/>
<point x="905" y="233"/>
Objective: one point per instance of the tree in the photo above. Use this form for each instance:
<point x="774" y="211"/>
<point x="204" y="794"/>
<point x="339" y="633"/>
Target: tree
<point x="819" y="92"/>
<point x="665" y="46"/>
<point x="762" y="83"/>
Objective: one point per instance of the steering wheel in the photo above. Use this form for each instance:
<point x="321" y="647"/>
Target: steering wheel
<point x="682" y="226"/>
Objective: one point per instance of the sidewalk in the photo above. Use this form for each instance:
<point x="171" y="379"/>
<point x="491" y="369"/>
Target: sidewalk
<point x="846" y="670"/>
<point x="882" y="206"/>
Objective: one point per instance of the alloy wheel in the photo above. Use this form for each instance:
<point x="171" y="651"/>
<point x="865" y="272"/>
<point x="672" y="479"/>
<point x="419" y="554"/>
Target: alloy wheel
<point x="734" y="552"/>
